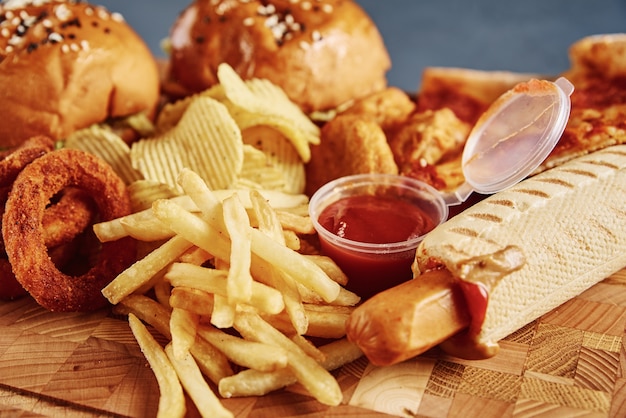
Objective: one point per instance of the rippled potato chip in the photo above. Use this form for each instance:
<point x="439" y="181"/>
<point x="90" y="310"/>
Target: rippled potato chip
<point x="258" y="172"/>
<point x="259" y="102"/>
<point x="144" y="192"/>
<point x="107" y="145"/>
<point x="206" y="139"/>
<point x="280" y="153"/>
<point x="171" y="113"/>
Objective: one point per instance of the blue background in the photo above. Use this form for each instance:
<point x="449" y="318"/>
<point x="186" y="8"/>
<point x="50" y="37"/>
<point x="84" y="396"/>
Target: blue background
<point x="522" y="35"/>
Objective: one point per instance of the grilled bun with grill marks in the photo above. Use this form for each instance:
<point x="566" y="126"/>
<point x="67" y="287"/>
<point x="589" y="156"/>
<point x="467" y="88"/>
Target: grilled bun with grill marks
<point x="321" y="52"/>
<point x="65" y="65"/>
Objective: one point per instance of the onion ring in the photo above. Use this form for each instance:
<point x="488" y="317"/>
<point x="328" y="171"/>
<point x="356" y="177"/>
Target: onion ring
<point x="12" y="162"/>
<point x="22" y="229"/>
<point x="68" y="217"/>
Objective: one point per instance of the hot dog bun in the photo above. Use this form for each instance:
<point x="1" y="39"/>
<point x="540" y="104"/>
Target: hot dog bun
<point x="65" y="65"/>
<point x="321" y="53"/>
<point x="531" y="248"/>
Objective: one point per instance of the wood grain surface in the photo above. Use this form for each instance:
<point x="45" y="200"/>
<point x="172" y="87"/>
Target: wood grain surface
<point x="569" y="363"/>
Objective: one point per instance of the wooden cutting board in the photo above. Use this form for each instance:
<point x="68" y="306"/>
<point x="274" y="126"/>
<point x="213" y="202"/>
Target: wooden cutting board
<point x="569" y="363"/>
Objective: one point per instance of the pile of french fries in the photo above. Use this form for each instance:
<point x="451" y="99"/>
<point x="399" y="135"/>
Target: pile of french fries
<point x="222" y="278"/>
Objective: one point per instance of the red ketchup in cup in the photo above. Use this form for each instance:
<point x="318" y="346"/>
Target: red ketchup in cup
<point x="371" y="224"/>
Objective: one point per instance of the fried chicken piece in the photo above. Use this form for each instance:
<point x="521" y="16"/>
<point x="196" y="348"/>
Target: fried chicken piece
<point x="427" y="138"/>
<point x="389" y="108"/>
<point x="350" y="144"/>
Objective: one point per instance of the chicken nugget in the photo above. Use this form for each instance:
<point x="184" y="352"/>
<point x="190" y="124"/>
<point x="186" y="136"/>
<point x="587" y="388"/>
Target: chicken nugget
<point x="350" y="144"/>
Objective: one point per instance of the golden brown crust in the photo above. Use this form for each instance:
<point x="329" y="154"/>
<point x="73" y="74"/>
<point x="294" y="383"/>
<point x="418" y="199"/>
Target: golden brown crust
<point x="23" y="234"/>
<point x="67" y="65"/>
<point x="321" y="53"/>
<point x="350" y="144"/>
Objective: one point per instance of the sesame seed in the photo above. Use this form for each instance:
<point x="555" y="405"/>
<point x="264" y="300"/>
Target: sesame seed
<point x="117" y="17"/>
<point x="305" y="45"/>
<point x="316" y="36"/>
<point x="248" y="21"/>
<point x="102" y="13"/>
<point x="74" y="47"/>
<point x="5" y="32"/>
<point x="62" y="12"/>
<point x="55" y="37"/>
<point x="65" y="48"/>
<point x="84" y="44"/>
<point x="306" y="5"/>
<point x="327" y="8"/>
<point x="15" y="40"/>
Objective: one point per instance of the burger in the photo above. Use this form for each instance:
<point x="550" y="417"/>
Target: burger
<point x="65" y="65"/>
<point x="322" y="53"/>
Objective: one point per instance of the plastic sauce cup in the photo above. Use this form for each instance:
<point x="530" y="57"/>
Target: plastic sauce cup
<point x="365" y="216"/>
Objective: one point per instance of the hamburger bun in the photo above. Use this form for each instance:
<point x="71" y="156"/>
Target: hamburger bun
<point x="321" y="53"/>
<point x="65" y="65"/>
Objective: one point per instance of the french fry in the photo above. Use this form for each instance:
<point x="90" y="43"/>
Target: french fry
<point x="255" y="383"/>
<point x="249" y="354"/>
<point x="264" y="298"/>
<point x="211" y="361"/>
<point x="172" y="398"/>
<point x="294" y="264"/>
<point x="193" y="229"/>
<point x="110" y="230"/>
<point x="147" y="310"/>
<point x="183" y="327"/>
<point x="324" y="321"/>
<point x="189" y="374"/>
<point x="308" y="347"/>
<point x="317" y="380"/>
<point x="223" y="314"/>
<point x="280" y="281"/>
<point x="145" y="269"/>
<point x="295" y="222"/>
<point x="162" y="291"/>
<point x="239" y="281"/>
<point x="196" y="256"/>
<point x="143" y="224"/>
<point x="266" y="217"/>
<point x="292" y="241"/>
<point x="344" y="298"/>
<point x="203" y="197"/>
<point x="327" y="321"/>
<point x="192" y="300"/>
<point x="330" y="268"/>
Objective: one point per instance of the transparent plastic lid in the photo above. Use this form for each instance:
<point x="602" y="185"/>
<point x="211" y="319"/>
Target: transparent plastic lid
<point x="514" y="136"/>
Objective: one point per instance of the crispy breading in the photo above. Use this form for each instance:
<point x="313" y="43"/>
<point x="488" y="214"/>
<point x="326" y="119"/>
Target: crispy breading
<point x="390" y="108"/>
<point x="428" y="137"/>
<point x="350" y="144"/>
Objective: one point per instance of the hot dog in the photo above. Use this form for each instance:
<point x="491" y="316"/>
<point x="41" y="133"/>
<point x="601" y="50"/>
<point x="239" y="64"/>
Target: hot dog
<point x="504" y="262"/>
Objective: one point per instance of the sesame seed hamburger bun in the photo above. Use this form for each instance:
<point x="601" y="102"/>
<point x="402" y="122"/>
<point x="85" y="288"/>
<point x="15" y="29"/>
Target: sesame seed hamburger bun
<point x="321" y="52"/>
<point x="65" y="65"/>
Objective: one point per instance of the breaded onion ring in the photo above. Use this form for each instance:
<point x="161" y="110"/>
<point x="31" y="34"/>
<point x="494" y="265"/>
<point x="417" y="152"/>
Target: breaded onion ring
<point x="68" y="217"/>
<point x="12" y="162"/>
<point x="22" y="229"/>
